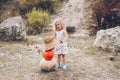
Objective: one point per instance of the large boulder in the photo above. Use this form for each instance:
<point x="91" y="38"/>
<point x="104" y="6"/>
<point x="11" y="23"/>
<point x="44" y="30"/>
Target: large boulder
<point x="13" y="28"/>
<point x="109" y="39"/>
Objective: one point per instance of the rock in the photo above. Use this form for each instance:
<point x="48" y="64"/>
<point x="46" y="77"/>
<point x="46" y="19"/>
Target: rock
<point x="13" y="28"/>
<point x="111" y="58"/>
<point x="71" y="29"/>
<point x="109" y="39"/>
<point x="71" y="13"/>
<point x="48" y="65"/>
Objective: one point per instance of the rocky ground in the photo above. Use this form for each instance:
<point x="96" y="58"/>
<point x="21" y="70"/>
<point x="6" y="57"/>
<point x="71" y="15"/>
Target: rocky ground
<point x="18" y="62"/>
<point x="84" y="62"/>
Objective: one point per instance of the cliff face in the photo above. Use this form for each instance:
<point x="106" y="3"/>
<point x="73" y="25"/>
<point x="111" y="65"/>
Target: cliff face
<point x="77" y="13"/>
<point x="72" y="12"/>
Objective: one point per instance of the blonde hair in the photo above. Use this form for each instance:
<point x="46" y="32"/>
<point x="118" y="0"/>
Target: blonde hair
<point x="61" y="22"/>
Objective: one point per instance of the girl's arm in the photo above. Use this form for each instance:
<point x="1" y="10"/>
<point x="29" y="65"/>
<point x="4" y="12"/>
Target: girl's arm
<point x="54" y="34"/>
<point x="66" y="36"/>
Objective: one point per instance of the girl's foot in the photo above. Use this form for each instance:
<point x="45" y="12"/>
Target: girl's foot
<point x="58" y="65"/>
<point x="64" y="66"/>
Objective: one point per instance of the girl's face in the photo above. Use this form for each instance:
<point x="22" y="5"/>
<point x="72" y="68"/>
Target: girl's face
<point x="58" y="26"/>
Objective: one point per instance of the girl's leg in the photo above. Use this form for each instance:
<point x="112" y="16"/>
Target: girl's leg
<point x="63" y="57"/>
<point x="64" y="63"/>
<point x="58" y="58"/>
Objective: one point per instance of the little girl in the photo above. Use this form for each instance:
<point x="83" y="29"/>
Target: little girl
<point x="61" y="36"/>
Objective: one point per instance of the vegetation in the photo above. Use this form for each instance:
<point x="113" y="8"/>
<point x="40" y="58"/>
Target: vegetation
<point x="49" y="5"/>
<point x="36" y="12"/>
<point x="37" y="20"/>
<point x="105" y="15"/>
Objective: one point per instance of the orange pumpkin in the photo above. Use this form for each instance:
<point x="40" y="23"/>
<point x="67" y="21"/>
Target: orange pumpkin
<point x="48" y="55"/>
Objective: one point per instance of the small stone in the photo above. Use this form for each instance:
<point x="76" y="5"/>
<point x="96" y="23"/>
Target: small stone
<point x="71" y="29"/>
<point x="111" y="58"/>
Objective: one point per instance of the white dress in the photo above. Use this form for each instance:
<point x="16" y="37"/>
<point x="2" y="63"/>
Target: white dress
<point x="60" y="48"/>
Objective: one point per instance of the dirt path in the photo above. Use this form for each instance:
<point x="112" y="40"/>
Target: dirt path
<point x="84" y="62"/>
<point x="17" y="62"/>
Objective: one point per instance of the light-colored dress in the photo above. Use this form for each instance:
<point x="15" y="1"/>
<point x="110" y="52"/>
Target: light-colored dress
<point x="60" y="48"/>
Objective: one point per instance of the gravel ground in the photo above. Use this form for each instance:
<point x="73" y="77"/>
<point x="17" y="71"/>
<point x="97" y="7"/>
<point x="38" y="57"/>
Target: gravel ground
<point x="18" y="62"/>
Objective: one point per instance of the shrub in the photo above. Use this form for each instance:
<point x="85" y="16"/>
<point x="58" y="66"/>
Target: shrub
<point x="50" y="5"/>
<point x="103" y="14"/>
<point x="25" y="6"/>
<point x="37" y="20"/>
